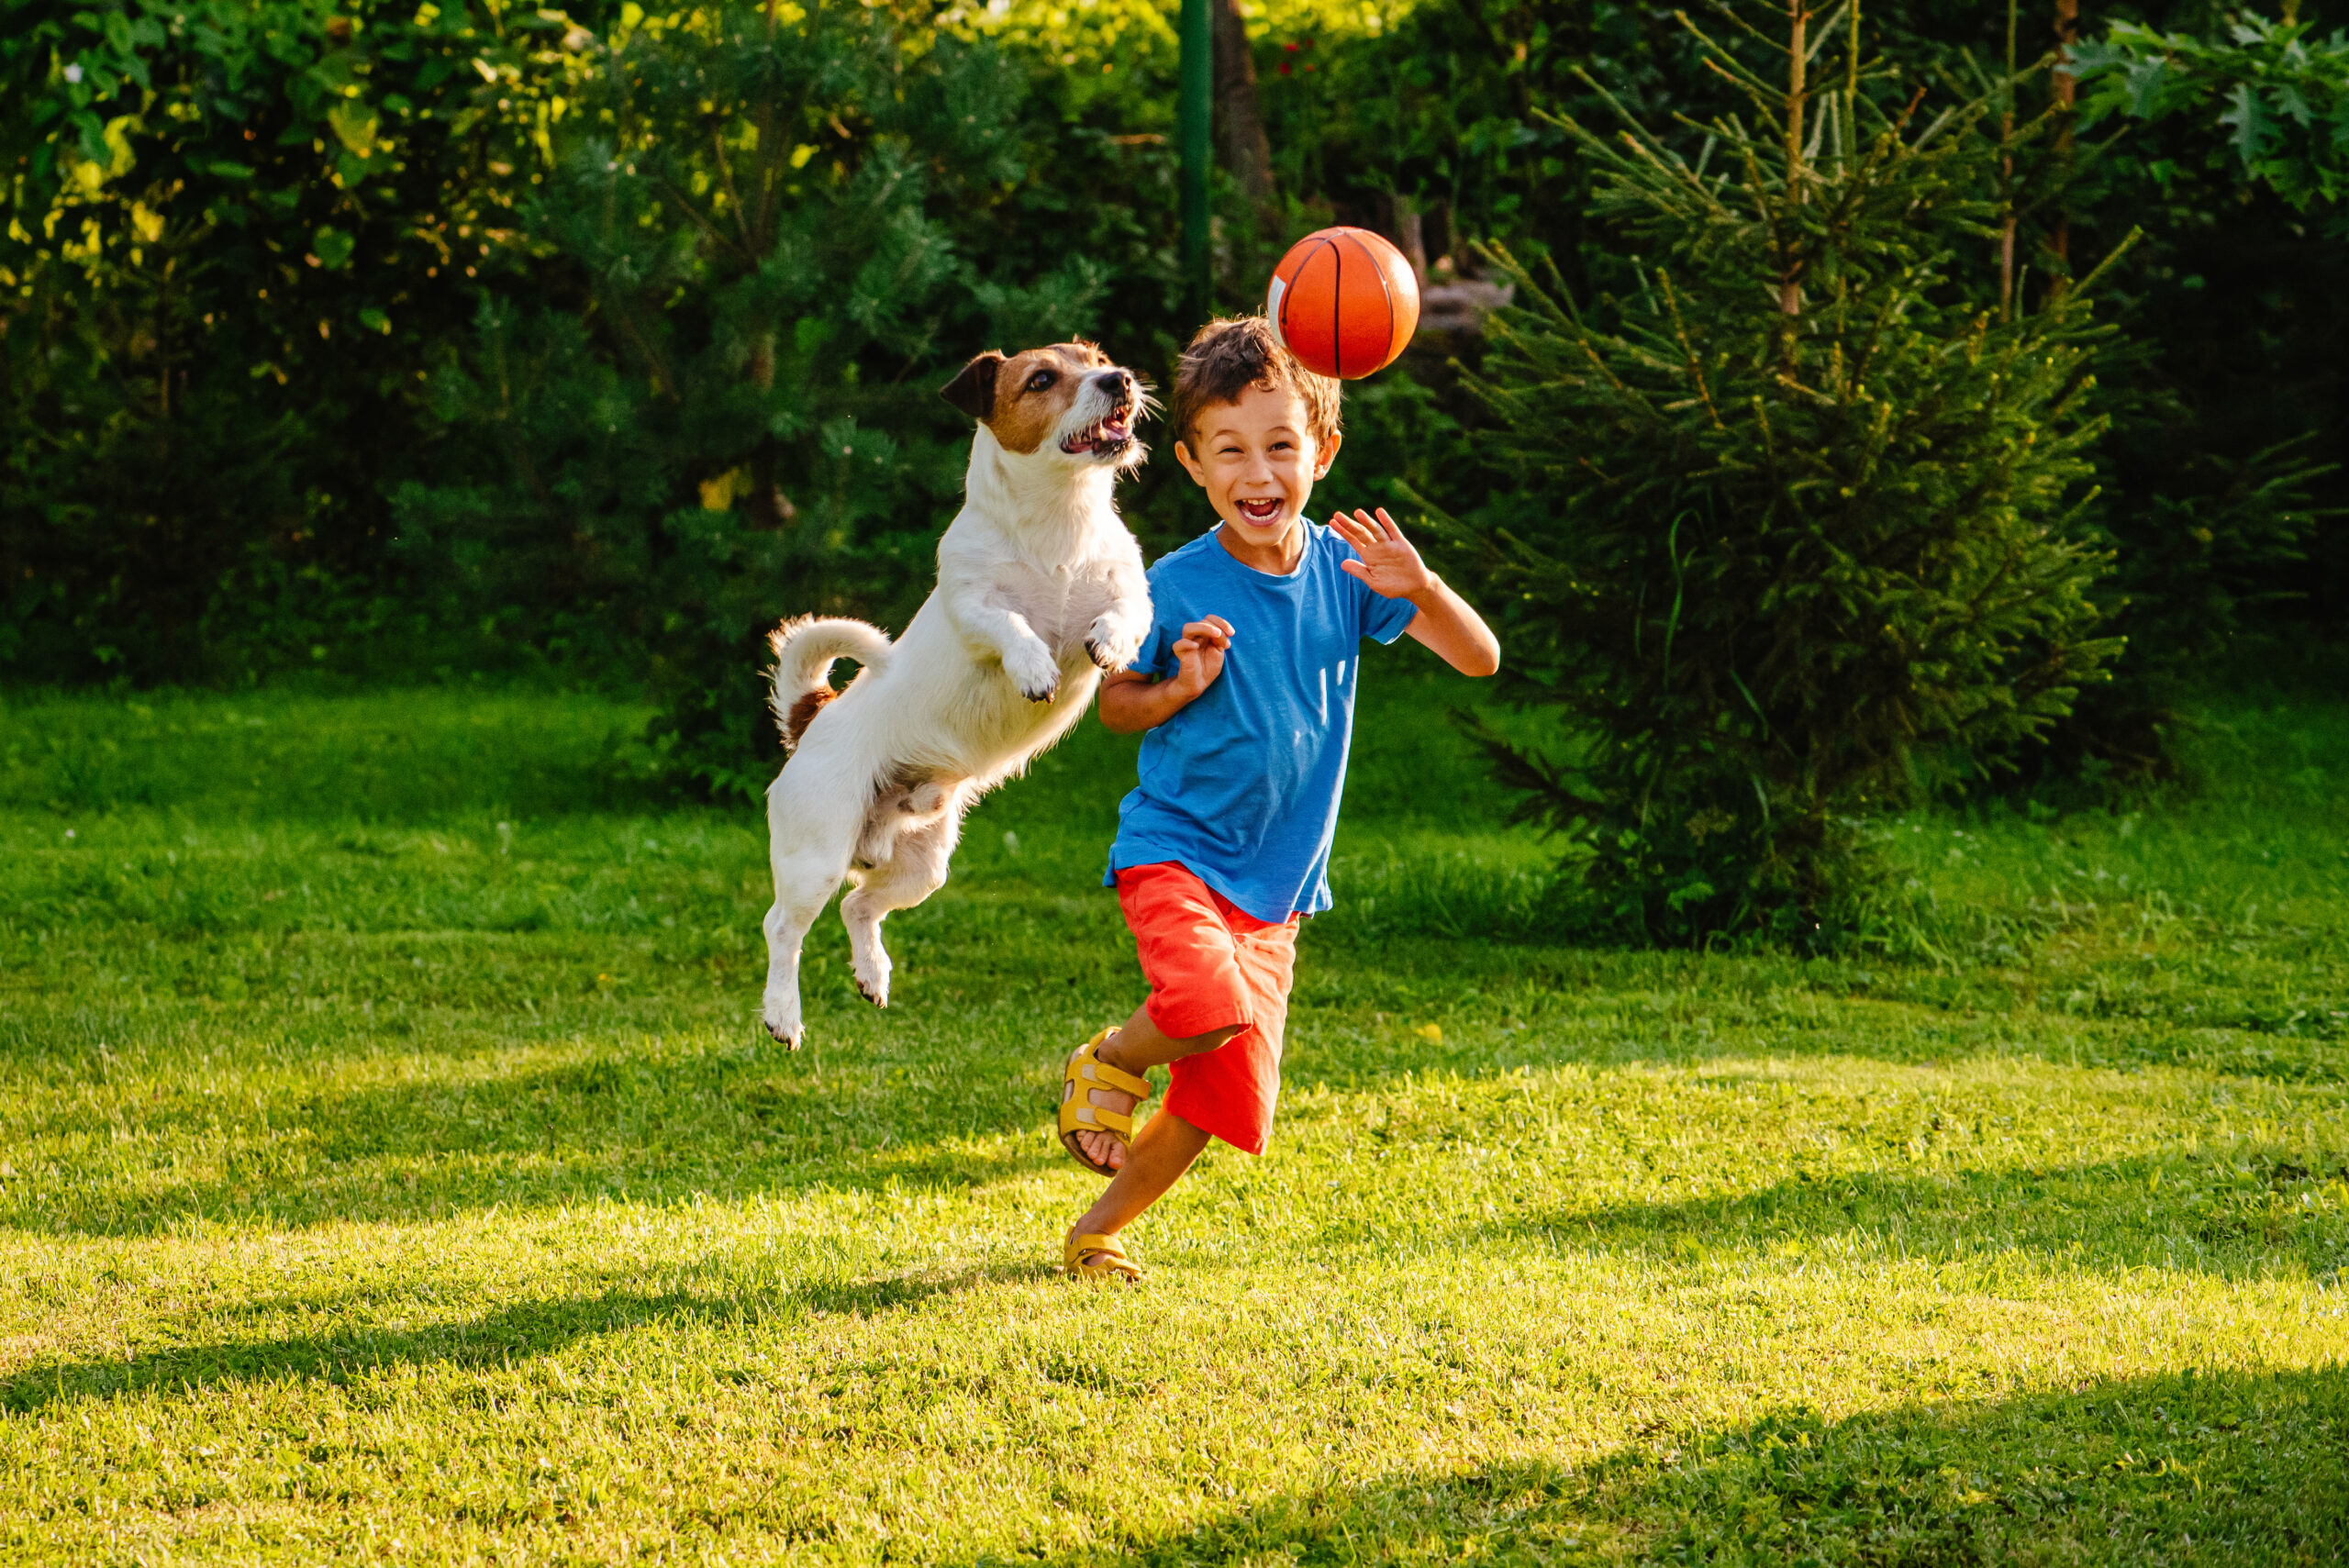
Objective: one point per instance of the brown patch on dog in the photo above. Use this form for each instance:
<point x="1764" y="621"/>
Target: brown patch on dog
<point x="1024" y="413"/>
<point x="803" y="714"/>
<point x="917" y="790"/>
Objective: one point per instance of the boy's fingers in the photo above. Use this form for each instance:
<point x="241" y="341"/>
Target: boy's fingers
<point x="1220" y="625"/>
<point x="1355" y="568"/>
<point x="1392" y="531"/>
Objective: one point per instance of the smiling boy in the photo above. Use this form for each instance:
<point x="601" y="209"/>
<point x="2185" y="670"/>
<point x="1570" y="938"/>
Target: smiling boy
<point x="1246" y="688"/>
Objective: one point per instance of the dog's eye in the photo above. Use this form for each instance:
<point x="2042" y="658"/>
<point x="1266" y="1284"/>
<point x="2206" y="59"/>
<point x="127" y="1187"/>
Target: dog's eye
<point x="1040" y="380"/>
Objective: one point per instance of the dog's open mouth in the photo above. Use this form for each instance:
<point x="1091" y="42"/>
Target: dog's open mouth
<point x="1111" y="433"/>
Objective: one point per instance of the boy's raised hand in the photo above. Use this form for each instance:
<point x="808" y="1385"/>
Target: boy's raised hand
<point x="1201" y="649"/>
<point x="1388" y="564"/>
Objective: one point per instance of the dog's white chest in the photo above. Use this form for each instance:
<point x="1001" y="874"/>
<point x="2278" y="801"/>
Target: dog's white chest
<point x="1059" y="600"/>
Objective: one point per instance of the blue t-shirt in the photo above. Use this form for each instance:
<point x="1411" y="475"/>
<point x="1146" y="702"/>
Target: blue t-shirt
<point x="1242" y="786"/>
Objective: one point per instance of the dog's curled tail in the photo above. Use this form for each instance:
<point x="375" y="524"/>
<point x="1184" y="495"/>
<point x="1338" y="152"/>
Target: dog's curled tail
<point x="804" y="651"/>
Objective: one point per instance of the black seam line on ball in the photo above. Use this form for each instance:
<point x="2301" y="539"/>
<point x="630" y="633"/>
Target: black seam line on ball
<point x="1337" y="308"/>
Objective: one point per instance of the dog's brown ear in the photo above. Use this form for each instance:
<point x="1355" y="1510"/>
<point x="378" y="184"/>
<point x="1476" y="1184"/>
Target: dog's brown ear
<point x="974" y="390"/>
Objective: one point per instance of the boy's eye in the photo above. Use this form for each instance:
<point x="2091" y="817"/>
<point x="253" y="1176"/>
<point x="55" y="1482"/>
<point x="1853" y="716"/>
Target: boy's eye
<point x="1040" y="380"/>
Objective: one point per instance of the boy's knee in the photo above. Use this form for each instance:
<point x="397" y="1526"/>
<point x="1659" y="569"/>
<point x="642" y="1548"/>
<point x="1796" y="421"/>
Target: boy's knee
<point x="1214" y="1039"/>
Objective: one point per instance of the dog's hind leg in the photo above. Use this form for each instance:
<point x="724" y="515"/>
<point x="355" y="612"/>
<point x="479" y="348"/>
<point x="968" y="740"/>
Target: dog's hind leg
<point x="811" y="832"/>
<point x="915" y="870"/>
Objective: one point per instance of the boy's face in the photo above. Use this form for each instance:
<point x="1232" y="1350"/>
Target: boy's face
<point x="1257" y="460"/>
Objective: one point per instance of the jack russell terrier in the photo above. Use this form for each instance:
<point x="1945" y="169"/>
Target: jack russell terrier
<point x="1040" y="589"/>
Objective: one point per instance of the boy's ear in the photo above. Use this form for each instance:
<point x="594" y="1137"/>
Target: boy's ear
<point x="974" y="390"/>
<point x="1326" y="455"/>
<point x="1190" y="464"/>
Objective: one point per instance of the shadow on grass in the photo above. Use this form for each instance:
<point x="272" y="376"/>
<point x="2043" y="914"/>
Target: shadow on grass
<point x="2176" y="1468"/>
<point x="613" y="1124"/>
<point x="512" y="1334"/>
<point x="2181" y="1212"/>
<point x="1602" y="1007"/>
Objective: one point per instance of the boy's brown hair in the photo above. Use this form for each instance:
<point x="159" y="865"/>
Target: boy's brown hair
<point x="1228" y="356"/>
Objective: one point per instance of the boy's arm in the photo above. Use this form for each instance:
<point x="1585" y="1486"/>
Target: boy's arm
<point x="1132" y="701"/>
<point x="1451" y="626"/>
<point x="1446" y="623"/>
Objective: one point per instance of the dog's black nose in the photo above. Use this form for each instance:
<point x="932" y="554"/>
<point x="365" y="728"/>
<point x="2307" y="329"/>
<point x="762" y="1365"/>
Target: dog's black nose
<point x="1120" y="381"/>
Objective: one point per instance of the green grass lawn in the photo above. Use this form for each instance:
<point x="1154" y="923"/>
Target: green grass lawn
<point x="392" y="1169"/>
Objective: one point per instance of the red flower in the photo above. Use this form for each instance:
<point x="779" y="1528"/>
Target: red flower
<point x="1308" y="43"/>
<point x="1290" y="48"/>
<point x="1283" y="67"/>
<point x="1308" y="68"/>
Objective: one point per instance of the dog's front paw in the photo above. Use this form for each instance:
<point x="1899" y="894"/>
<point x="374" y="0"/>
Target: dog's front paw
<point x="1032" y="670"/>
<point x="1111" y="644"/>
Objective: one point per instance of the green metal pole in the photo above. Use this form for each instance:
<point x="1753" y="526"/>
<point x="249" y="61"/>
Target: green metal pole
<point x="1191" y="123"/>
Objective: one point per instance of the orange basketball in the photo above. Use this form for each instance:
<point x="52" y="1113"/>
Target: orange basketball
<point x="1344" y="302"/>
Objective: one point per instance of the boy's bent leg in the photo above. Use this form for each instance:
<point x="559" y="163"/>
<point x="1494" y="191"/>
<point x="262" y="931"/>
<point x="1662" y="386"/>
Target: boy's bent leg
<point x="1163" y="1150"/>
<point x="1136" y="1048"/>
<point x="1140" y="1044"/>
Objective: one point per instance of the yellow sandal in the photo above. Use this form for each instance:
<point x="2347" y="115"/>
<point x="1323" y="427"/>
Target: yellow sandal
<point x="1086" y="1072"/>
<point x="1098" y="1257"/>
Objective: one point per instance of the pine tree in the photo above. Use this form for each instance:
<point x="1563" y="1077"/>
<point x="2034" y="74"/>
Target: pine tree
<point x="1797" y="515"/>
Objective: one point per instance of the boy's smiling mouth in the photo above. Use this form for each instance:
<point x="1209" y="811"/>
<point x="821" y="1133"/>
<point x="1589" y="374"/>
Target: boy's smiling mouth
<point x="1260" y="512"/>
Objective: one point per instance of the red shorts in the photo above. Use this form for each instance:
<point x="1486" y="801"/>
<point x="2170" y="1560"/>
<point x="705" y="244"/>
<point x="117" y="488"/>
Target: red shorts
<point x="1211" y="964"/>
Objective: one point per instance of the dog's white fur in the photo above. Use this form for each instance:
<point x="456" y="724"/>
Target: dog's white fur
<point x="1040" y="589"/>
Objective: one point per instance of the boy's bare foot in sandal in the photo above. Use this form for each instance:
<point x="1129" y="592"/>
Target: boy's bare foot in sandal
<point x="1096" y="1109"/>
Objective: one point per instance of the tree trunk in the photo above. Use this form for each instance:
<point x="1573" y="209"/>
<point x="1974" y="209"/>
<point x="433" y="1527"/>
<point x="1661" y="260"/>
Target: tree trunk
<point x="1246" y="151"/>
<point x="1797" y="59"/>
<point x="1411" y="234"/>
<point x="2007" y="178"/>
<point x="2067" y="30"/>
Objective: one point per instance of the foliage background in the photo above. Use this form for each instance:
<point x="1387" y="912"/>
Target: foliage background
<point x="260" y="258"/>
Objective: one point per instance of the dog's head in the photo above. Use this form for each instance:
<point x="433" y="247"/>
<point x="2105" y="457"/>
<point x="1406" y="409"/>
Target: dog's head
<point x="1064" y="404"/>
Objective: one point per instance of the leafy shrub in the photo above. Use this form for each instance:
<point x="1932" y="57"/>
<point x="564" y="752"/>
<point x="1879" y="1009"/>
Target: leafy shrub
<point x="741" y="422"/>
<point x="1798" y="517"/>
<point x="2274" y="96"/>
<point x="232" y="229"/>
<point x="2214" y="477"/>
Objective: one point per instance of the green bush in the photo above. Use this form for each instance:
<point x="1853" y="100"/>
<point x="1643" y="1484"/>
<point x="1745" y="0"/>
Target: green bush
<point x="739" y="421"/>
<point x="232" y="231"/>
<point x="2213" y="477"/>
<point x="1799" y="516"/>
